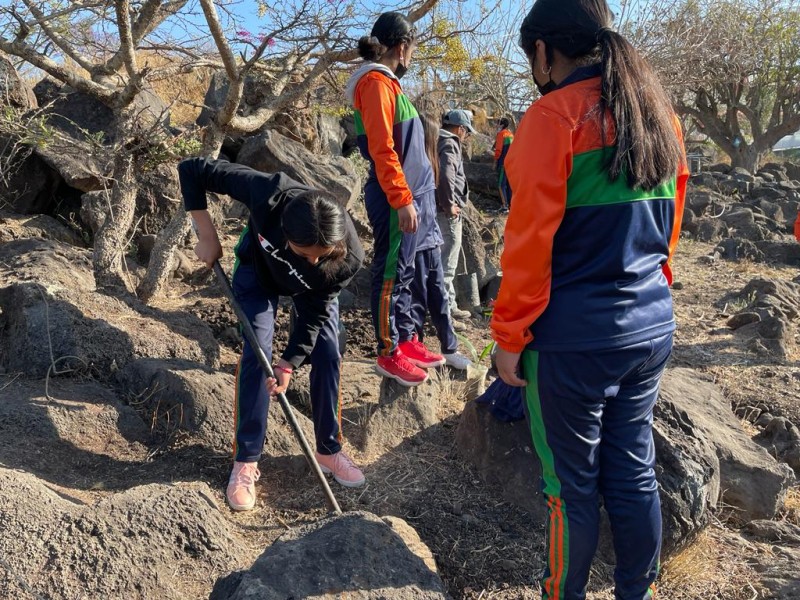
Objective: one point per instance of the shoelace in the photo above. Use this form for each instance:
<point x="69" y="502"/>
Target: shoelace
<point x="341" y="457"/>
<point x="405" y="364"/>
<point x="422" y="349"/>
<point x="247" y="476"/>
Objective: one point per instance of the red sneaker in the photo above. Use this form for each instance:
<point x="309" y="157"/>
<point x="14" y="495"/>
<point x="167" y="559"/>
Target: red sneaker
<point x="399" y="368"/>
<point x="418" y="354"/>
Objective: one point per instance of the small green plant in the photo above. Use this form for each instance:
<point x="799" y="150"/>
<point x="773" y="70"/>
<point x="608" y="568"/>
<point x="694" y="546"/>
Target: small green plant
<point x="172" y="148"/>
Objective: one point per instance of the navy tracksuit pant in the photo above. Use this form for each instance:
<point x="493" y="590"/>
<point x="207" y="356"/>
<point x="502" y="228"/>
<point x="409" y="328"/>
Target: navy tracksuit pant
<point x="392" y="271"/>
<point x="252" y="399"/>
<point x="429" y="295"/>
<point x="591" y="416"/>
<point x="502" y="181"/>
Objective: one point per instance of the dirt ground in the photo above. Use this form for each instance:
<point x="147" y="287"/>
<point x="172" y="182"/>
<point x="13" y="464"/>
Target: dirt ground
<point x="484" y="547"/>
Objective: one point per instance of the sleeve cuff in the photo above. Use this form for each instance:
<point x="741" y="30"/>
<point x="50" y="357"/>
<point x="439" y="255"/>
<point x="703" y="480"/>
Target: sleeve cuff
<point x="293" y="358"/>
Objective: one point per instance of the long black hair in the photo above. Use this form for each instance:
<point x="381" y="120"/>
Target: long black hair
<point x="316" y="218"/>
<point x="431" y="128"/>
<point x="647" y="149"/>
<point x="390" y="30"/>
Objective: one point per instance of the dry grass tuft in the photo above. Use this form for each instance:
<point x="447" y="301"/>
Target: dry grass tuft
<point x="791" y="507"/>
<point x="710" y="568"/>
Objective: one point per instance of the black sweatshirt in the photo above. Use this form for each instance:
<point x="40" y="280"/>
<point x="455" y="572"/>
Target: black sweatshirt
<point x="279" y="269"/>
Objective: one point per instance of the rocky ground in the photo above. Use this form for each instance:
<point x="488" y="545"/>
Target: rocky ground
<point x="104" y="455"/>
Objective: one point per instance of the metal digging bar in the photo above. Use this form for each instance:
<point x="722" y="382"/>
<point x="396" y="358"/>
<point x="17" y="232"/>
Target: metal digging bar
<point x="250" y="334"/>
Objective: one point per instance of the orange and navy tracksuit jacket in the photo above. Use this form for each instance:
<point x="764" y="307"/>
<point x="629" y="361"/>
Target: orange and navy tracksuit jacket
<point x="586" y="262"/>
<point x="585" y="292"/>
<point x="391" y="137"/>
<point x="502" y="143"/>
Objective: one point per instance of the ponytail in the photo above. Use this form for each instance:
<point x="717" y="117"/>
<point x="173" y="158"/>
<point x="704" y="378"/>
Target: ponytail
<point x="647" y="151"/>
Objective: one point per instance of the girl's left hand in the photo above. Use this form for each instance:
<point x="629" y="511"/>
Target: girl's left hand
<point x="283" y="375"/>
<point x="507" y="364"/>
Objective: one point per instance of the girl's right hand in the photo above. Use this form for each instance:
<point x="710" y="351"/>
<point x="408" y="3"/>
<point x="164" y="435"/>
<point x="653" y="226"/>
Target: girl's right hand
<point x="208" y="249"/>
<point x="408" y="218"/>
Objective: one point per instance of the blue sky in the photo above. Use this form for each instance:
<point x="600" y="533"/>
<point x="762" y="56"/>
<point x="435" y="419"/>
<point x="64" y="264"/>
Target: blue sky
<point x="247" y="10"/>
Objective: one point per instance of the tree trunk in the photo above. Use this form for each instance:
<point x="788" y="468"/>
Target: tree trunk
<point x="747" y="157"/>
<point x="162" y="258"/>
<point x="111" y="237"/>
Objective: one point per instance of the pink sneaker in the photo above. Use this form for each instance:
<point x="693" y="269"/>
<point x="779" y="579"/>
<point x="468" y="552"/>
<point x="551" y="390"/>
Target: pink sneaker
<point x="343" y="468"/>
<point x="241" y="492"/>
<point x="399" y="368"/>
<point x="417" y="354"/>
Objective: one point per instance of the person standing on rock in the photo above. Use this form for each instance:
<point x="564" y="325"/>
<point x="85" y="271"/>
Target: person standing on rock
<point x="298" y="242"/>
<point x="502" y="143"/>
<point x="399" y="193"/>
<point x="452" y="194"/>
<point x="584" y="315"/>
<point x="428" y="289"/>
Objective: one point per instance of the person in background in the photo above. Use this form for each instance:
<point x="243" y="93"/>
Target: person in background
<point x="502" y="142"/>
<point x="452" y="194"/>
<point x="298" y="242"/>
<point x="599" y="176"/>
<point x="399" y="193"/>
<point x="428" y="290"/>
<point x="797" y="227"/>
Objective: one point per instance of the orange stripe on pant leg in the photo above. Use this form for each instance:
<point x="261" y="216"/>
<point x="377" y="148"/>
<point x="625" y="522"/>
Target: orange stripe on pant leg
<point x="548" y="583"/>
<point x="553" y="583"/>
<point x="236" y="406"/>
<point x="385" y="305"/>
<point x="339" y="405"/>
<point x="558" y="591"/>
<point x="382" y="321"/>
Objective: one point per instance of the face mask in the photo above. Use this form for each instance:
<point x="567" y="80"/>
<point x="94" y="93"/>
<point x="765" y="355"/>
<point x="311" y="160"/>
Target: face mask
<point x="400" y="70"/>
<point x="547" y="87"/>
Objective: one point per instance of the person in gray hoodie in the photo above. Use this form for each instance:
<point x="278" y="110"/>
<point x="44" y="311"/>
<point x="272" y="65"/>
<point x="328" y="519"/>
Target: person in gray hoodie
<point x="452" y="194"/>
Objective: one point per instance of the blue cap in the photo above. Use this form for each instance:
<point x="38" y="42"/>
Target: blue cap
<point x="459" y="117"/>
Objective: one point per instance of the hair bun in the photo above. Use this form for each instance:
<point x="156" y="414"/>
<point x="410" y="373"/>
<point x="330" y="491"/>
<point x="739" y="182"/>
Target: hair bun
<point x="370" y="48"/>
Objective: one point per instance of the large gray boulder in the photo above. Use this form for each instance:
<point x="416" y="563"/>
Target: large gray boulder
<point x="775" y="305"/>
<point x="137" y="544"/>
<point x="75" y="116"/>
<point x="75" y="113"/>
<point x="331" y="134"/>
<point x="14" y="227"/>
<point x="482" y="179"/>
<point x="200" y="403"/>
<point x="53" y="319"/>
<point x="270" y="152"/>
<point x="29" y="185"/>
<point x="702" y="455"/>
<point x="751" y="480"/>
<point x="75" y="432"/>
<point x="357" y="556"/>
<point x="14" y="91"/>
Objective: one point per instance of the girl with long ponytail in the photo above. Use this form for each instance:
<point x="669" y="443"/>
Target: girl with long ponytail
<point x="584" y="315"/>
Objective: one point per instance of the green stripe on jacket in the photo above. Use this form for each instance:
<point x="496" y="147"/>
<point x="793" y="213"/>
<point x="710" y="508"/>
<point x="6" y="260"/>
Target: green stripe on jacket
<point x="589" y="185"/>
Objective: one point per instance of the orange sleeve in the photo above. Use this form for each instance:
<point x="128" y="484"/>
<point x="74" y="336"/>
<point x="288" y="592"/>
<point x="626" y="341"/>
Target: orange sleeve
<point x="498" y="145"/>
<point x="797" y="227"/>
<point x="540" y="200"/>
<point x="377" y="103"/>
<point x="680" y="201"/>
